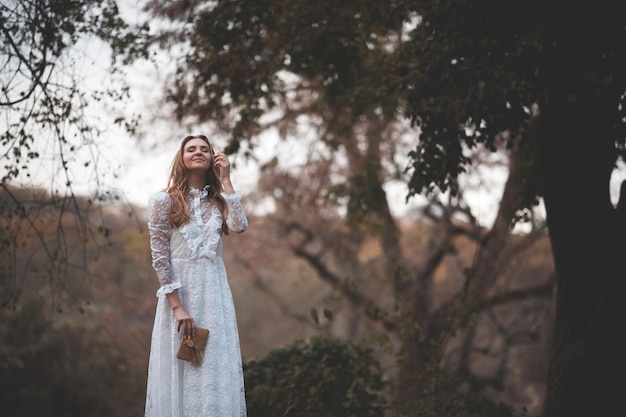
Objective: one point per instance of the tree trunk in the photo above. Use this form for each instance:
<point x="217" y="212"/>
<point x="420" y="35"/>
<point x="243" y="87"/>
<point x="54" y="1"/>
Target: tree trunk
<point x="577" y="153"/>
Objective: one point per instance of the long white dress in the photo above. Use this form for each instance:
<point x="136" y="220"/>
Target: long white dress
<point x="189" y="259"/>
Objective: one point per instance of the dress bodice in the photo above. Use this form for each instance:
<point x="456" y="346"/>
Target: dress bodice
<point x="200" y="238"/>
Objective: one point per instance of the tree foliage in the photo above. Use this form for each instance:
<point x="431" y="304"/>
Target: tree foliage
<point x="46" y="104"/>
<point x="243" y="52"/>
<point x="474" y="72"/>
<point x="42" y="94"/>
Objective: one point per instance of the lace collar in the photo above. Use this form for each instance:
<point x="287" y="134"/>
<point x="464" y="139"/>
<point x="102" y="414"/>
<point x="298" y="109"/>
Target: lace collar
<point x="202" y="193"/>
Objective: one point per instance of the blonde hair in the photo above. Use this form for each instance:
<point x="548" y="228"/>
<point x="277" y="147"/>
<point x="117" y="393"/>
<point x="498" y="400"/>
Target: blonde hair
<point x="178" y="187"/>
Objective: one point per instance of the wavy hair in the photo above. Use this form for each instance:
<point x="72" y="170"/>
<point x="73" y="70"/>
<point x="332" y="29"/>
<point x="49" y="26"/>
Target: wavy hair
<point x="178" y="186"/>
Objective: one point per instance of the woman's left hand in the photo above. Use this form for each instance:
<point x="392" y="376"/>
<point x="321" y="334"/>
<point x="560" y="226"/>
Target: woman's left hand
<point x="221" y="161"/>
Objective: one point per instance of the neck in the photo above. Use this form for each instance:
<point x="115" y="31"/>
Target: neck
<point x="195" y="180"/>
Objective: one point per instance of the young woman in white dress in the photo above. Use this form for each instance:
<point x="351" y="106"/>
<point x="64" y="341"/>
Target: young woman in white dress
<point x="187" y="222"/>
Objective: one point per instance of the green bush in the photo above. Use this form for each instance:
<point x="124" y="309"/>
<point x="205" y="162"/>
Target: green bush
<point x="321" y="377"/>
<point x="449" y="401"/>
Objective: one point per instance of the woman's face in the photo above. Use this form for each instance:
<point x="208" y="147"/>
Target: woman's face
<point x="197" y="155"/>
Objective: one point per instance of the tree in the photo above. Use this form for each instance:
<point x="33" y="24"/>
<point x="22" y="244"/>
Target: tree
<point x="552" y="76"/>
<point x="46" y="105"/>
<point x="258" y="65"/>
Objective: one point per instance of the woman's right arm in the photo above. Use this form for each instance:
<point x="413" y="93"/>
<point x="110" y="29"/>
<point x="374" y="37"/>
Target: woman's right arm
<point x="184" y="320"/>
<point x="160" y="234"/>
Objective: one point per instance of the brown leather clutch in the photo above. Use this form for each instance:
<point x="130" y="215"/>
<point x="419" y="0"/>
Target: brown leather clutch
<point x="191" y="348"/>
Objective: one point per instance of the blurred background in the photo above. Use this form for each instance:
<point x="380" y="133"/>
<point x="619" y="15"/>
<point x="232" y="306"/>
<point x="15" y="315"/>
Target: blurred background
<point x="441" y="270"/>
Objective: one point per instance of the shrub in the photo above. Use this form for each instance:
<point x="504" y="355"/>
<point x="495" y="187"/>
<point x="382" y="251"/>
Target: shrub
<point x="320" y="377"/>
<point x="449" y="401"/>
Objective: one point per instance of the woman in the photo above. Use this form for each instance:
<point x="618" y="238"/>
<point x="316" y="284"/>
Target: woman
<point x="186" y="222"/>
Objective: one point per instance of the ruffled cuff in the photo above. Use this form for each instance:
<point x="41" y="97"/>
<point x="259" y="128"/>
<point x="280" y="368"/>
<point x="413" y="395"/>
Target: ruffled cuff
<point x="231" y="197"/>
<point x="168" y="288"/>
<point x="236" y="219"/>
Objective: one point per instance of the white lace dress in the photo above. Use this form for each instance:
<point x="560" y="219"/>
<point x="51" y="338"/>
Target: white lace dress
<point x="189" y="259"/>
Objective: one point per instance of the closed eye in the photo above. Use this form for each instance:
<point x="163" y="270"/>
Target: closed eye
<point x="204" y="149"/>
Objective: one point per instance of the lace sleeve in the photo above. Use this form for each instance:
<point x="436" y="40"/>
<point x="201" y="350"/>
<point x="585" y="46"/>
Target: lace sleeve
<point x="236" y="219"/>
<point x="160" y="233"/>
